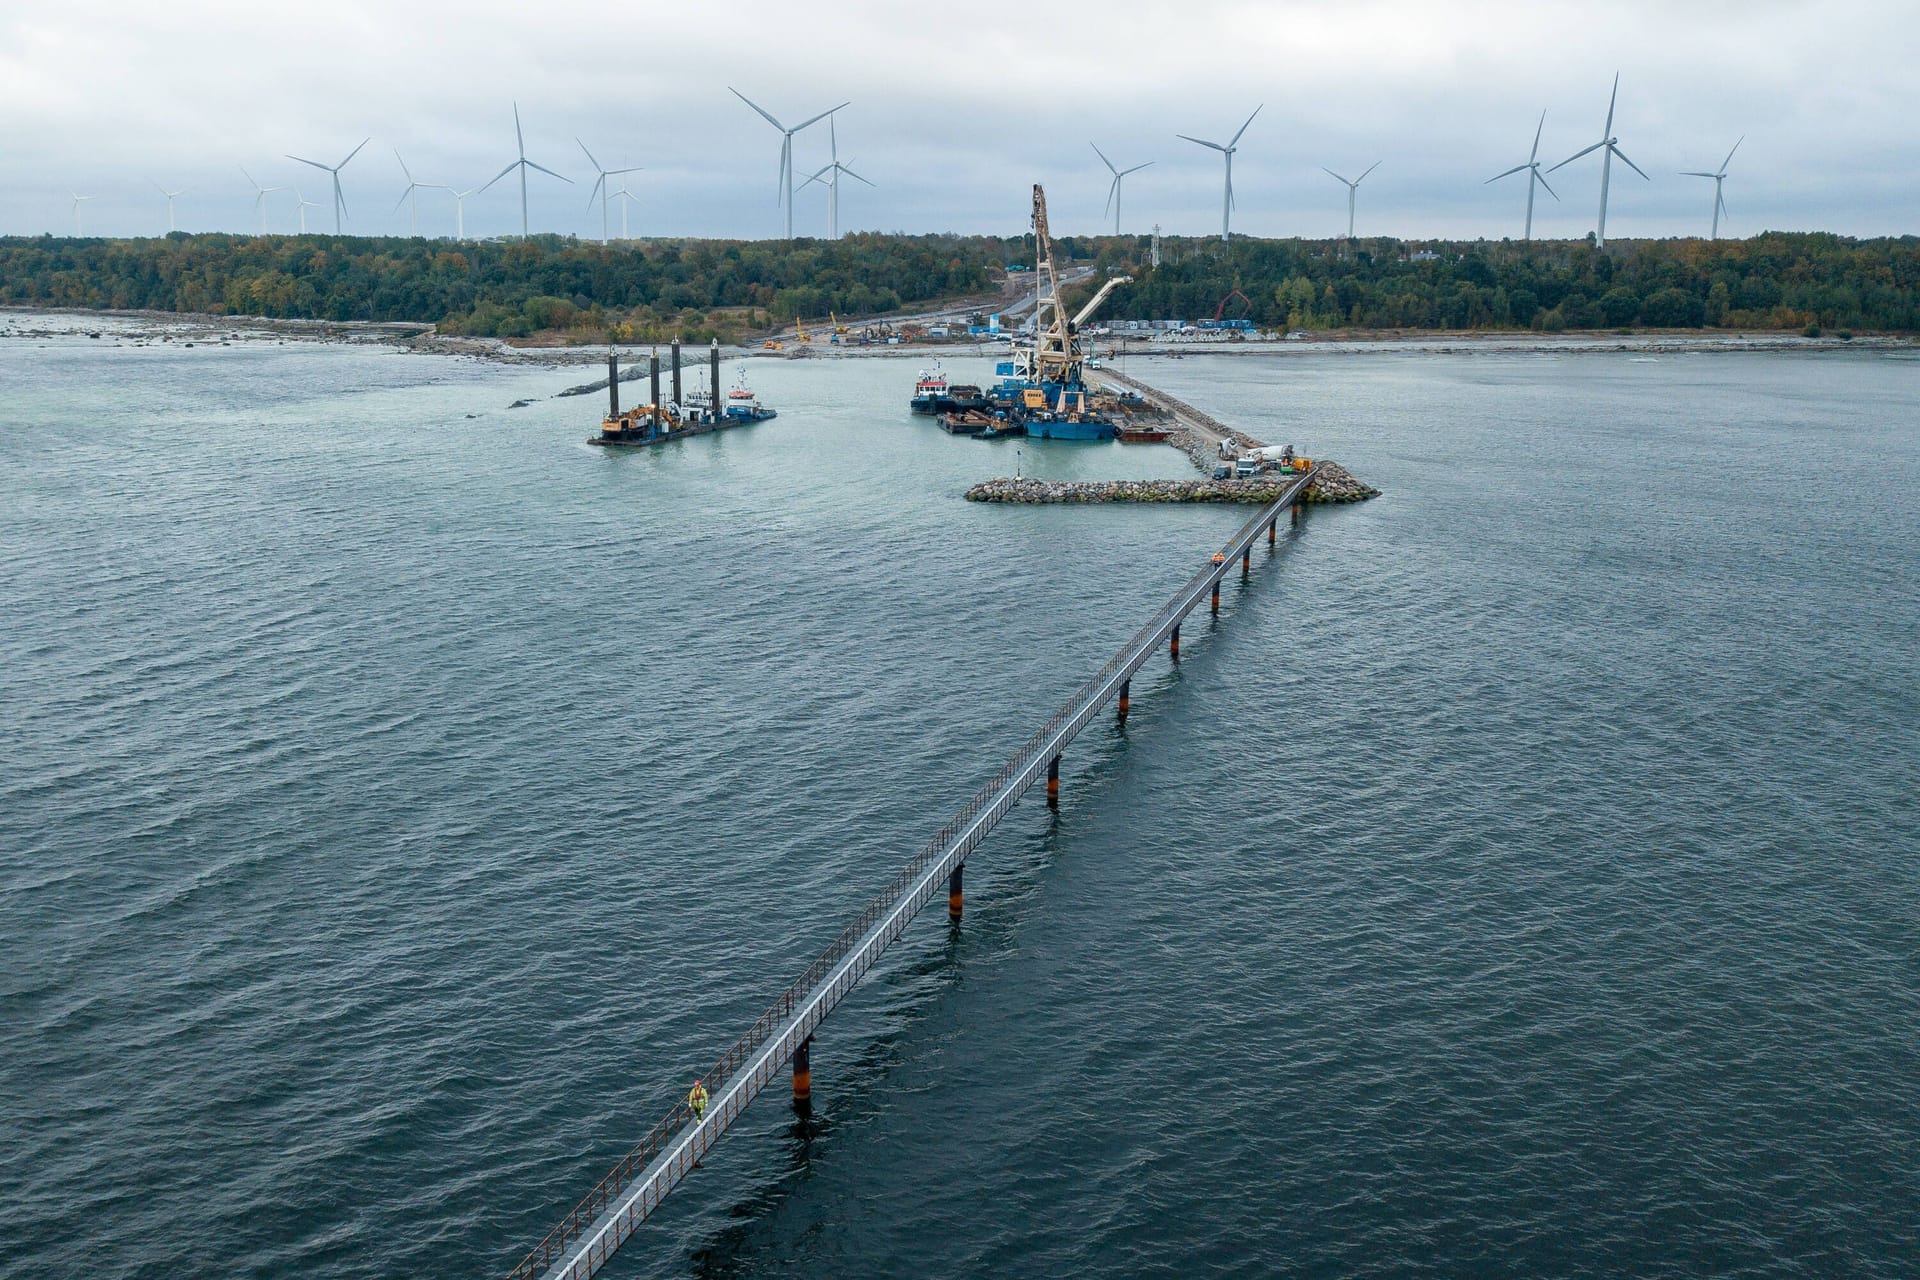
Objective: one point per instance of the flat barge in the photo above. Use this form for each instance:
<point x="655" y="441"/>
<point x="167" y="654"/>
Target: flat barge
<point x="696" y="414"/>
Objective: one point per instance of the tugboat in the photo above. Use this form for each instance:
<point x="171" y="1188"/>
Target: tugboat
<point x="930" y="392"/>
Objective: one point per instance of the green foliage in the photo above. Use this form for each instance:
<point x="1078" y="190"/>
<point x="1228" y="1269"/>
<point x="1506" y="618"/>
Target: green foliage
<point x="652" y="290"/>
<point x="649" y="290"/>
<point x="1773" y="281"/>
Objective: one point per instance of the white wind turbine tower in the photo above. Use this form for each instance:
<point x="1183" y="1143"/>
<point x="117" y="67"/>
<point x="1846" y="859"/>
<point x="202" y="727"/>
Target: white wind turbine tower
<point x="260" y="198"/>
<point x="1532" y="169"/>
<point x="832" y="184"/>
<point x="171" y="197"/>
<point x="1226" y="202"/>
<point x="600" y="188"/>
<point x="625" y="197"/>
<point x="1113" y="191"/>
<point x="460" y="211"/>
<point x="523" y="164"/>
<point x="77" y="200"/>
<point x="413" y="214"/>
<point x="1611" y="149"/>
<point x="1719" y="203"/>
<point x="304" y="205"/>
<point x="1353" y="190"/>
<point x="333" y="170"/>
<point x="786" y="148"/>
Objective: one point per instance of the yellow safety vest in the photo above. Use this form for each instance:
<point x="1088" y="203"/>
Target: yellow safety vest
<point x="697" y="1099"/>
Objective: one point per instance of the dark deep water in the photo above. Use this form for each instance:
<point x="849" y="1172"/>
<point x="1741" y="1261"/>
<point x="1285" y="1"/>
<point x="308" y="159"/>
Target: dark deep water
<point x="398" y="809"/>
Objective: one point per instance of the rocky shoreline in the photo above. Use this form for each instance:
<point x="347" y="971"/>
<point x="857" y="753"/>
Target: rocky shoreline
<point x="1332" y="483"/>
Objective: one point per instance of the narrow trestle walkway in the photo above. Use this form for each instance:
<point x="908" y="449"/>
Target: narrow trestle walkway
<point x="583" y="1242"/>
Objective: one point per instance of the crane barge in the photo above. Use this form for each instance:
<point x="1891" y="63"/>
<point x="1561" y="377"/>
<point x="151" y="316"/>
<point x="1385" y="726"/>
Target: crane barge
<point x="1042" y="387"/>
<point x="1041" y="392"/>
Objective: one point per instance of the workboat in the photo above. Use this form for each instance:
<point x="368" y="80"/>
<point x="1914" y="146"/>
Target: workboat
<point x="930" y="392"/>
<point x="743" y="407"/>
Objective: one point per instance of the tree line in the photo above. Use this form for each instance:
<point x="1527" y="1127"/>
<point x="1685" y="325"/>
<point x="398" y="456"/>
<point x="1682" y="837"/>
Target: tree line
<point x="699" y="289"/>
<point x="1775" y="281"/>
<point x="635" y="291"/>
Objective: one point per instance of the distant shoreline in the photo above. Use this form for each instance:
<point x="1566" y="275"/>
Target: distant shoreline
<point x="422" y="338"/>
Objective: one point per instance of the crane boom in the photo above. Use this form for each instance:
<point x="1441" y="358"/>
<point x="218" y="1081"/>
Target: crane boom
<point x="1099" y="298"/>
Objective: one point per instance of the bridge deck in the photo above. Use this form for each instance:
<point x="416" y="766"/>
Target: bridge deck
<point x="583" y="1242"/>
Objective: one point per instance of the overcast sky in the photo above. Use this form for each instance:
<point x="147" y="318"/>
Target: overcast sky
<point x="955" y="112"/>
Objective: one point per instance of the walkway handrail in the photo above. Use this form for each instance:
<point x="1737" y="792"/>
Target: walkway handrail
<point x="606" y="1217"/>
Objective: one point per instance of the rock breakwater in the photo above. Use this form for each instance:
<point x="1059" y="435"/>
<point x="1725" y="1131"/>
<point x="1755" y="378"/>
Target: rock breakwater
<point x="1331" y="483"/>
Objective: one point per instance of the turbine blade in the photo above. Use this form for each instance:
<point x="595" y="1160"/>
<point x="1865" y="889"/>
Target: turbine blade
<point x="1103" y="156"/>
<point x="1111" y="188"/>
<point x="518" y="136"/>
<point x="315" y="163"/>
<point x="1611" y="99"/>
<point x="851" y="174"/>
<point x="596" y="190"/>
<point x="1695" y="173"/>
<point x="403" y="165"/>
<point x="756" y="106"/>
<point x="1202" y="141"/>
<point x="397" y="203"/>
<point x="1535" y="153"/>
<point x="1243" y="128"/>
<point x="1363" y="177"/>
<point x="817" y="119"/>
<point x="617" y="172"/>
<point x="1630" y="164"/>
<point x="1576" y="155"/>
<point x="503" y="173"/>
<point x="1330" y="173"/>
<point x="589" y="155"/>
<point x="356" y="151"/>
<point x="1543" y="182"/>
<point x="1729" y="159"/>
<point x="1508" y="174"/>
<point x="550" y="173"/>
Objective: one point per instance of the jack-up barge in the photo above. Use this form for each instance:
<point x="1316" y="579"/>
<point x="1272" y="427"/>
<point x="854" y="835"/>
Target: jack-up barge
<point x="699" y="413"/>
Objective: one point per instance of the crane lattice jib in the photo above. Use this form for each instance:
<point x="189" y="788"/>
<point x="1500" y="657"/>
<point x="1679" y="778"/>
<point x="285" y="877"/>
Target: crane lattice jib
<point x="1053" y="359"/>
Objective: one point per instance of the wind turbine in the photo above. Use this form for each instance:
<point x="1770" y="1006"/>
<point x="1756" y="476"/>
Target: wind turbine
<point x="1532" y="170"/>
<point x="832" y="184"/>
<point x="786" y="148"/>
<point x="413" y="214"/>
<point x="600" y="188"/>
<point x="523" y="164"/>
<point x="77" y="199"/>
<point x="1612" y="149"/>
<point x="1113" y="192"/>
<point x="460" y="211"/>
<point x="304" y="205"/>
<point x="339" y="196"/>
<point x="625" y="197"/>
<point x="1226" y="201"/>
<point x="1719" y="204"/>
<point x="260" y="198"/>
<point x="171" y="197"/>
<point x="1353" y="190"/>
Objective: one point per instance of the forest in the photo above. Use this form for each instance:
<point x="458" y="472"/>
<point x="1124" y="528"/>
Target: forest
<point x="1774" y="281"/>
<point x="635" y="291"/>
<point x="699" y="289"/>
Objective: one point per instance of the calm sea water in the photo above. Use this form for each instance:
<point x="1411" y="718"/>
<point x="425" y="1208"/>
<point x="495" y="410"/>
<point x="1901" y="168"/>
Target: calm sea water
<point x="400" y="802"/>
